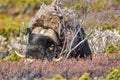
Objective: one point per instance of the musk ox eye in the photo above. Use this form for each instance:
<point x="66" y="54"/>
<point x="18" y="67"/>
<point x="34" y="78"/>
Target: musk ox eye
<point x="51" y="48"/>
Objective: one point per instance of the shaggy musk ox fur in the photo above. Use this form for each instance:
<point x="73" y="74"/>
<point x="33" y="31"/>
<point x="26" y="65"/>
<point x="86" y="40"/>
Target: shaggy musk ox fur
<point x="83" y="50"/>
<point x="43" y="44"/>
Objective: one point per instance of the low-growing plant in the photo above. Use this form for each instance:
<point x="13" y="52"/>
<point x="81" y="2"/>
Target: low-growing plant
<point x="11" y="27"/>
<point x="117" y="47"/>
<point x="9" y="31"/>
<point x="106" y="26"/>
<point x="109" y="48"/>
<point x="99" y="5"/>
<point x="101" y="78"/>
<point x="76" y="5"/>
<point x="57" y="77"/>
<point x="118" y="29"/>
<point x="85" y="76"/>
<point x="47" y="1"/>
<point x="118" y="1"/>
<point x="114" y="75"/>
<point x="12" y="56"/>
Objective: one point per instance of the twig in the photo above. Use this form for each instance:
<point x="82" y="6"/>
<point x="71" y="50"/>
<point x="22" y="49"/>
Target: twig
<point x="74" y="38"/>
<point x="63" y="48"/>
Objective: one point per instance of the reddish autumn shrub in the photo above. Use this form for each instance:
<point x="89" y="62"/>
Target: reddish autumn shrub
<point x="67" y="68"/>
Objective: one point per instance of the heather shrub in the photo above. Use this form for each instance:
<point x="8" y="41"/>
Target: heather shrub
<point x="69" y="69"/>
<point x="85" y="76"/>
<point x="114" y="75"/>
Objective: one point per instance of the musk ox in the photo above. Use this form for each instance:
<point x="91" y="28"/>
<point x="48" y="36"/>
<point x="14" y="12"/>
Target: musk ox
<point x="43" y="44"/>
<point x="60" y="26"/>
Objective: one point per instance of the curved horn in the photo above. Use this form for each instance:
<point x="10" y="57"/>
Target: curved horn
<point x="20" y="55"/>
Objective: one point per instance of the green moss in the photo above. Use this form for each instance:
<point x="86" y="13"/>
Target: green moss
<point x="76" y="5"/>
<point x="9" y="32"/>
<point x="114" y="75"/>
<point x="117" y="47"/>
<point x="118" y="1"/>
<point x="10" y="27"/>
<point x="57" y="77"/>
<point x="106" y="26"/>
<point x="20" y="3"/>
<point x="74" y="78"/>
<point x="90" y="23"/>
<point x="85" y="76"/>
<point x="4" y="1"/>
<point x="46" y="1"/>
<point x="101" y="78"/>
<point x="118" y="29"/>
<point x="99" y="5"/>
<point x="12" y="56"/>
<point x="110" y="48"/>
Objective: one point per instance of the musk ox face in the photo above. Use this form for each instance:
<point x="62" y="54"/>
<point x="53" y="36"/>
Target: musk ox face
<point x="42" y="45"/>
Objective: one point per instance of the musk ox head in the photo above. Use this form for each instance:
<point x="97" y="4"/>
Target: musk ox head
<point x="43" y="44"/>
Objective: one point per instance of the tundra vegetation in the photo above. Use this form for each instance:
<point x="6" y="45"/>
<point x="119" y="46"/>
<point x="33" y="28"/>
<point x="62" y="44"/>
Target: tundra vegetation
<point x="13" y="13"/>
